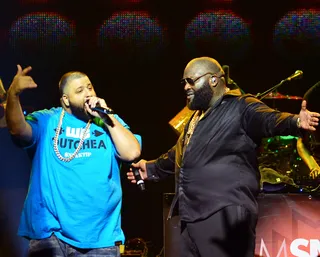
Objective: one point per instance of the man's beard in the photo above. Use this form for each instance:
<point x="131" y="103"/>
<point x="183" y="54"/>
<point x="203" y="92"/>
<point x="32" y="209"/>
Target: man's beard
<point x="80" y="112"/>
<point x="201" y="98"/>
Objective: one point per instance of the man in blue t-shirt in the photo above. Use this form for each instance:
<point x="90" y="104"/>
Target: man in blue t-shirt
<point x="74" y="198"/>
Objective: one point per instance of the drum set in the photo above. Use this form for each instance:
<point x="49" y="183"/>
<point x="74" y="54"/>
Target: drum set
<point x="281" y="168"/>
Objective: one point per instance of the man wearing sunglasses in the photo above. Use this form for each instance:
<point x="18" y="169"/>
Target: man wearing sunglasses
<point x="215" y="162"/>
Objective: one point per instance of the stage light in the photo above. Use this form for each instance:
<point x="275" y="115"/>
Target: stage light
<point x="131" y="30"/>
<point x="297" y="35"/>
<point x="42" y="30"/>
<point x="218" y="33"/>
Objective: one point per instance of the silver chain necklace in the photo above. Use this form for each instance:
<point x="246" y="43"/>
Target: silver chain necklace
<point x="55" y="144"/>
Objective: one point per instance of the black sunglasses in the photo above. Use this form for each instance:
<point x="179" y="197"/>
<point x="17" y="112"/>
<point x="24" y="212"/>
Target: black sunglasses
<point x="191" y="81"/>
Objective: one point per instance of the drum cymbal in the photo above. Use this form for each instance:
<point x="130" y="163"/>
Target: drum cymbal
<point x="279" y="96"/>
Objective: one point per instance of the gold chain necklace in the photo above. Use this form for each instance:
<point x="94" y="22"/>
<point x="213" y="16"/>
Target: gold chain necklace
<point x="55" y="144"/>
<point x="192" y="125"/>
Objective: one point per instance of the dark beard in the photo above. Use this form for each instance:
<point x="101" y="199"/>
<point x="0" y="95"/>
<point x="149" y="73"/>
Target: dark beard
<point x="202" y="98"/>
<point x="80" y="113"/>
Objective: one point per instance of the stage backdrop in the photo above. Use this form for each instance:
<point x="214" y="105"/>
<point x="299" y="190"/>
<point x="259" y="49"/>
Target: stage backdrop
<point x="288" y="226"/>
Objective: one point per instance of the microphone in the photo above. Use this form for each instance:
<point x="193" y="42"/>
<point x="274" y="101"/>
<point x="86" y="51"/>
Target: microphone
<point x="138" y="178"/>
<point x="100" y="109"/>
<point x="105" y="111"/>
<point x="297" y="75"/>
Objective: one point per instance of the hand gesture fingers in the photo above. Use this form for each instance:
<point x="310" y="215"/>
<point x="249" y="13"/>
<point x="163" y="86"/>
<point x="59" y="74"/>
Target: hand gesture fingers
<point x="22" y="81"/>
<point x="23" y="72"/>
<point x="315" y="116"/>
<point x="308" y="120"/>
<point x="19" y="71"/>
<point x="92" y="102"/>
<point x="131" y="177"/>
<point x="141" y="165"/>
<point x="315" y="173"/>
<point x="304" y="105"/>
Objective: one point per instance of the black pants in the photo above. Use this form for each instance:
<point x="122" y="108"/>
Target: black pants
<point x="229" y="232"/>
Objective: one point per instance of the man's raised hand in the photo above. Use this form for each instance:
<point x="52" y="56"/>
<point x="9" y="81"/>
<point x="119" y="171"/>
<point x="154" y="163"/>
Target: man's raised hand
<point x="308" y="120"/>
<point x="22" y="81"/>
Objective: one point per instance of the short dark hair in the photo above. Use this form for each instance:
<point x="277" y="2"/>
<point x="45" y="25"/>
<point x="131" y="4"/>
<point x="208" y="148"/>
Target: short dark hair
<point x="67" y="77"/>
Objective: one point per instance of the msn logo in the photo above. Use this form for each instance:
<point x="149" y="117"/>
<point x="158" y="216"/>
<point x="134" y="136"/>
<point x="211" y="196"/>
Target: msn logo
<point x="299" y="247"/>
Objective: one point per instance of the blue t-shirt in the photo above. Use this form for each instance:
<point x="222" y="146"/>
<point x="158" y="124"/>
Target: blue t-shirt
<point x="79" y="201"/>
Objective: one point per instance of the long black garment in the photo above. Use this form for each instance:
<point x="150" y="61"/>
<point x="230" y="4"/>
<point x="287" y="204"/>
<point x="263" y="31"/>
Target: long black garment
<point x="219" y="167"/>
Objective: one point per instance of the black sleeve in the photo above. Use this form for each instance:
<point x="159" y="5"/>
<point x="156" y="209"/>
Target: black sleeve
<point x="259" y="120"/>
<point x="163" y="166"/>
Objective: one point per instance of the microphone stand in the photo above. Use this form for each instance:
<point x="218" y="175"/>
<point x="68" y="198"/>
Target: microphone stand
<point x="260" y="96"/>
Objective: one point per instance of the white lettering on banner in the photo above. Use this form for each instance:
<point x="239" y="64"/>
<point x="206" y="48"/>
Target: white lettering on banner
<point x="314" y="248"/>
<point x="263" y="249"/>
<point x="76" y="132"/>
<point x="79" y="155"/>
